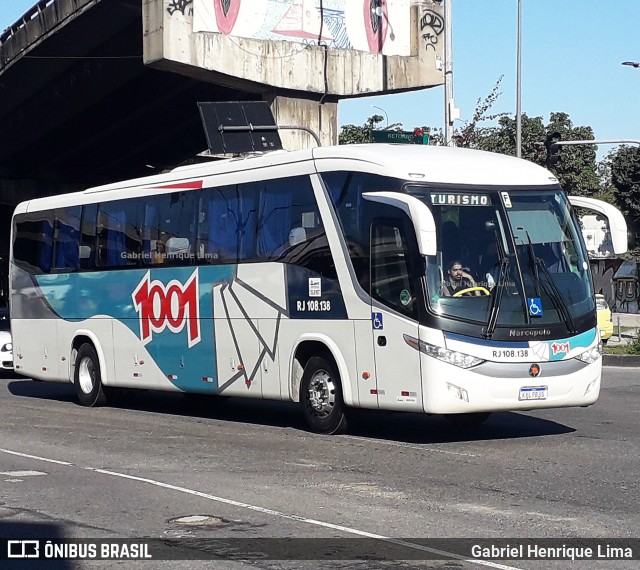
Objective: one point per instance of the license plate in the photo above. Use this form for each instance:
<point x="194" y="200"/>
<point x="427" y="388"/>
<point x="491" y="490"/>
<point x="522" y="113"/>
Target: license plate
<point x="533" y="393"/>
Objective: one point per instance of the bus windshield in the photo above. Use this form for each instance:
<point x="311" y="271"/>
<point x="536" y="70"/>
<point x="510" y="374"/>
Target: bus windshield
<point x="507" y="257"/>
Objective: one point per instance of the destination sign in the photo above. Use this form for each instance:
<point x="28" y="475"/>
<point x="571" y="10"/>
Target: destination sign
<point x="450" y="199"/>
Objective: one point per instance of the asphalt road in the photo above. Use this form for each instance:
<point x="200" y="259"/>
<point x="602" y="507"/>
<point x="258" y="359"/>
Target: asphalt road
<point x="249" y="469"/>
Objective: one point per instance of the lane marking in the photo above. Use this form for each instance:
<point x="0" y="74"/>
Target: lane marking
<point x="272" y="512"/>
<point x="37" y="458"/>
<point x="22" y="473"/>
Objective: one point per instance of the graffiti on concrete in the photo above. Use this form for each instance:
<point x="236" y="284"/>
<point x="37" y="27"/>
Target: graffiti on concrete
<point x="603" y="271"/>
<point x="183" y="6"/>
<point x="627" y="287"/>
<point x="619" y="281"/>
<point x="431" y="28"/>
<point x="375" y="26"/>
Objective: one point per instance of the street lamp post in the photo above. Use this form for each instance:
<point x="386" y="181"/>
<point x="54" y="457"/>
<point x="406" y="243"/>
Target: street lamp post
<point x="385" y="114"/>
<point x="519" y="84"/>
<point x="449" y="105"/>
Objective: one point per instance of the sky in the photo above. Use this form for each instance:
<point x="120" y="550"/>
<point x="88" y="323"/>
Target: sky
<point x="572" y="54"/>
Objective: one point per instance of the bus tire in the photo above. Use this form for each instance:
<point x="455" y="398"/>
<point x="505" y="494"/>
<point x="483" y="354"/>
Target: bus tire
<point x="87" y="378"/>
<point x="321" y="397"/>
<point x="472" y="419"/>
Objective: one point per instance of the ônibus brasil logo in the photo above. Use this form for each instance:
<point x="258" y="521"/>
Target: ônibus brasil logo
<point x="171" y="306"/>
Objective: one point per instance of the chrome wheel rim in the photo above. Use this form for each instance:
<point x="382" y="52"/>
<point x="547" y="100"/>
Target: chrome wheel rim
<point x="322" y="393"/>
<point x="86" y="375"/>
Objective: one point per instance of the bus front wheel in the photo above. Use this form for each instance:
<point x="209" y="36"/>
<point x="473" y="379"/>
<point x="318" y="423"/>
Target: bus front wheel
<point x="321" y="397"/>
<point x="87" y="378"/>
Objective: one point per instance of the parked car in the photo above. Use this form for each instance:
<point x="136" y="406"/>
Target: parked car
<point x="6" y="347"/>
<point x="605" y="321"/>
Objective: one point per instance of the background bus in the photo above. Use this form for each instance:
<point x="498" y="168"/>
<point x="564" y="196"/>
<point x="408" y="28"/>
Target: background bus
<point x="316" y="276"/>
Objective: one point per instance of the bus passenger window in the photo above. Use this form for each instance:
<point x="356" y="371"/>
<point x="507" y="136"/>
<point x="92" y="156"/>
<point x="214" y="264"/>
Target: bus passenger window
<point x="33" y="241"/>
<point x="119" y="234"/>
<point x="88" y="237"/>
<point x="66" y="239"/>
<point x="224" y="221"/>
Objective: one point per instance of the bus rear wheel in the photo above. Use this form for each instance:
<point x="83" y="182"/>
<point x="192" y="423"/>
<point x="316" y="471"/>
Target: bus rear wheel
<point x="472" y="419"/>
<point x="87" y="378"/>
<point x="321" y="397"/>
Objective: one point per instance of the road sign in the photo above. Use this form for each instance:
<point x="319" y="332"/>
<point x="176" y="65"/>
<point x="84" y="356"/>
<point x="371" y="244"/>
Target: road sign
<point x="406" y="137"/>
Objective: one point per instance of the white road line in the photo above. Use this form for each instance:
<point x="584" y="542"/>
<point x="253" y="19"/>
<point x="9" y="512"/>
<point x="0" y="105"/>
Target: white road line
<point x="22" y="473"/>
<point x="239" y="504"/>
<point x="37" y="458"/>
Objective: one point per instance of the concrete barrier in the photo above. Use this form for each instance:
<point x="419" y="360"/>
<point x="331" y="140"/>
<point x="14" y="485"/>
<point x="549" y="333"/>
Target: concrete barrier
<point x="627" y="360"/>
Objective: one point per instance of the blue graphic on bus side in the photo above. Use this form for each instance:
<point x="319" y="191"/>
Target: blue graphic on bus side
<point x="376" y="320"/>
<point x="188" y="354"/>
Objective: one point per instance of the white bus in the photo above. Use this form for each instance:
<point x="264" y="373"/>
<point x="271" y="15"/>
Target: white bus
<point x="317" y="276"/>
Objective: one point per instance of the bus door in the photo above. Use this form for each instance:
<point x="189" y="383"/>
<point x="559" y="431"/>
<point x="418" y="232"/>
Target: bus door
<point x="394" y="291"/>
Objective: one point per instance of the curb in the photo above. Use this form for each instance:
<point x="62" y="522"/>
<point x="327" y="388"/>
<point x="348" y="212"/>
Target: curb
<point x="627" y="360"/>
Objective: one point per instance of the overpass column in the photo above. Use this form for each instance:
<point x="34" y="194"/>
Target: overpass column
<point x="308" y="112"/>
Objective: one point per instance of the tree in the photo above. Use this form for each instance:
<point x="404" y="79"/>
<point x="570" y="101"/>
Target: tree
<point x="625" y="178"/>
<point x="577" y="170"/>
<point x="353" y="134"/>
<point x="469" y="135"/>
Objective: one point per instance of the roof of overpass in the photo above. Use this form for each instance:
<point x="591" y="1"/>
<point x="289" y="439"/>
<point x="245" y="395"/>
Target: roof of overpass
<point x="77" y="104"/>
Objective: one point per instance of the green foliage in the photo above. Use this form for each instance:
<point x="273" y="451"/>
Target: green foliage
<point x="625" y="178"/>
<point x="469" y="135"/>
<point x="502" y="139"/>
<point x="632" y="347"/>
<point x="353" y="134"/>
<point x="577" y="169"/>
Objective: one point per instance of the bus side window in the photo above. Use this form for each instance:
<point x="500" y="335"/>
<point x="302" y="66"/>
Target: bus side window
<point x="67" y="238"/>
<point x="221" y="221"/>
<point x="119" y="235"/>
<point x="33" y="241"/>
<point x="275" y="219"/>
<point x="88" y="237"/>
<point x="289" y="221"/>
<point x="177" y="226"/>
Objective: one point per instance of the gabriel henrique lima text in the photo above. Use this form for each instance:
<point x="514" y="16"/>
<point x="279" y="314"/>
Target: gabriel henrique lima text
<point x="535" y="552"/>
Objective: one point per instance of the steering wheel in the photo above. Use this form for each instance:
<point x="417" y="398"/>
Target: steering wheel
<point x="483" y="290"/>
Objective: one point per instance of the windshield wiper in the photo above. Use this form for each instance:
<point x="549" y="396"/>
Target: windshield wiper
<point x="550" y="288"/>
<point x="494" y="307"/>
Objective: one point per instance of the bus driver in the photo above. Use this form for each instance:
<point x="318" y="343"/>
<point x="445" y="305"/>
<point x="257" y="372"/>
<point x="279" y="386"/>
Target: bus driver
<point x="458" y="280"/>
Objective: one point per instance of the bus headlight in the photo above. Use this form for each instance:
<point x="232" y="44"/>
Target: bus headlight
<point x="591" y="355"/>
<point x="449" y="356"/>
<point x="7" y="347"/>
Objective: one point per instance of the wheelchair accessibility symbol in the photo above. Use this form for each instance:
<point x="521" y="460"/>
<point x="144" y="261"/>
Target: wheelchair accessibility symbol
<point x="376" y="319"/>
<point x="535" y="306"/>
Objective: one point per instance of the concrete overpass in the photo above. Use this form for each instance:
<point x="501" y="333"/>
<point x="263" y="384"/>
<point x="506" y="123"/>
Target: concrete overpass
<point x="93" y="91"/>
